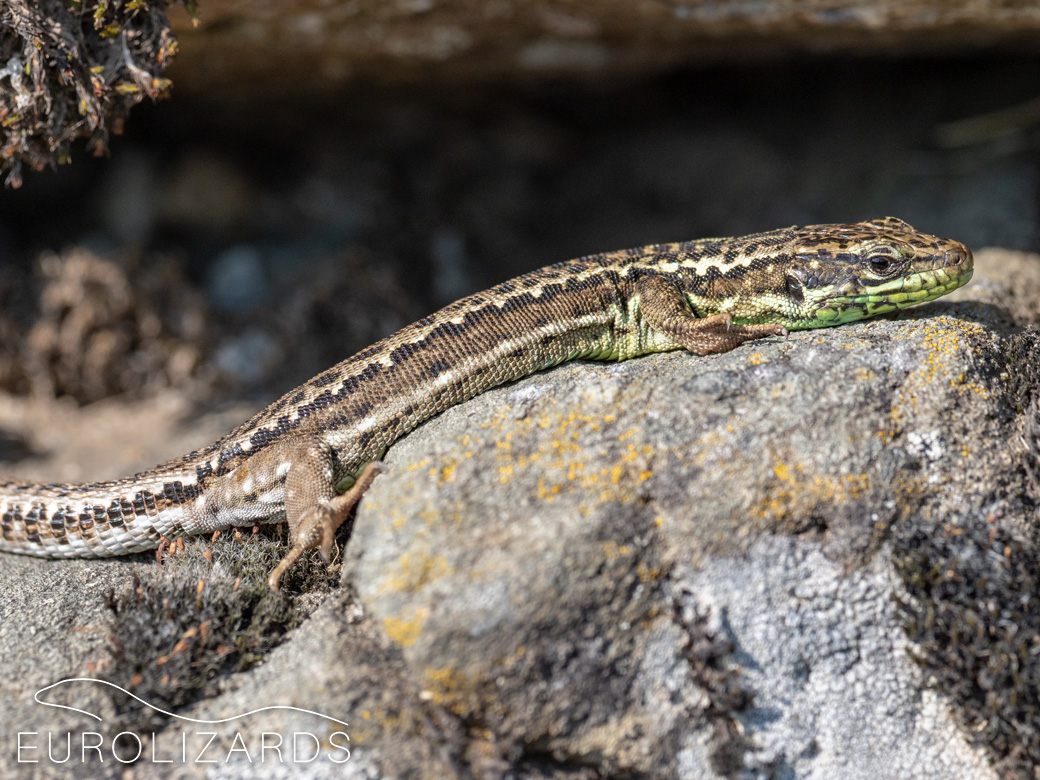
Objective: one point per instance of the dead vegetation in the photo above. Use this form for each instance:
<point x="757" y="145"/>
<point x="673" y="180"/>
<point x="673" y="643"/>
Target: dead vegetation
<point x="75" y="68"/>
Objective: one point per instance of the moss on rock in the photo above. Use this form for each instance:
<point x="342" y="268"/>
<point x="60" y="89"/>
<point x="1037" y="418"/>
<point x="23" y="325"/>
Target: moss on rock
<point x="75" y="68"/>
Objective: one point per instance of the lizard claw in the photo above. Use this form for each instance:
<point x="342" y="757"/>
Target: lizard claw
<point x="318" y="525"/>
<point x="317" y="528"/>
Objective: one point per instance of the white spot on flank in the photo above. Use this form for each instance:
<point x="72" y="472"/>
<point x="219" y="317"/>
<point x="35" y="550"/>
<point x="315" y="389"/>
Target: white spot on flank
<point x="283" y="468"/>
<point x="247" y="484"/>
<point x="445" y="379"/>
<point x="458" y="320"/>
<point x="366" y="424"/>
<point x="536" y="292"/>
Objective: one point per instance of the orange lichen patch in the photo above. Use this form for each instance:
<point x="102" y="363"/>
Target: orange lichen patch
<point x="548" y="492"/>
<point x="416" y="570"/>
<point x="648" y="573"/>
<point x="716" y="446"/>
<point x="372" y="723"/>
<point x="895" y="413"/>
<point x="562" y="458"/>
<point x="797" y="488"/>
<point x="449" y="687"/>
<point x="969" y="387"/>
<point x="946" y="341"/>
<point x="613" y="550"/>
<point x="443" y="471"/>
<point x="430" y="517"/>
<point x="612" y="482"/>
<point x="499" y="418"/>
<point x="756" y="359"/>
<point x="405" y="632"/>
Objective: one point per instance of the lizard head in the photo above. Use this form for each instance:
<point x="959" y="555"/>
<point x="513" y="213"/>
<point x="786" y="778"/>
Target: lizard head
<point x="843" y="273"/>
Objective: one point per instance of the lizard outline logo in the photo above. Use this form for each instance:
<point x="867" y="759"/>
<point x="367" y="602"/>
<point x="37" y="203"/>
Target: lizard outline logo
<point x="129" y="747"/>
<point x="98" y="718"/>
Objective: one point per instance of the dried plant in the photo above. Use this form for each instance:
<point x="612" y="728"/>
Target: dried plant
<point x="75" y="68"/>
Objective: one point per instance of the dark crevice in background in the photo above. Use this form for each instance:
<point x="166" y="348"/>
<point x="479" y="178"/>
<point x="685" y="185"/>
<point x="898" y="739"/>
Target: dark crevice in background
<point x="343" y="219"/>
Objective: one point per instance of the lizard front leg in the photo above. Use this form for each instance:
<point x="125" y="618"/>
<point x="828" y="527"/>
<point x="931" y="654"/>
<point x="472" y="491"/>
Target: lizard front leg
<point x="312" y="508"/>
<point x="667" y="310"/>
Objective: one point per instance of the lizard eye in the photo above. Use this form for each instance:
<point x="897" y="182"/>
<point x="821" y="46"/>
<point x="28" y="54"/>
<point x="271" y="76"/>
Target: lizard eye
<point x="880" y="264"/>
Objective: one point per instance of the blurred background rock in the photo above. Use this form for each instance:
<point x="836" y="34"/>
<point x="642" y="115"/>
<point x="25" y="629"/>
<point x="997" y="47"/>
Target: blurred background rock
<point x="326" y="172"/>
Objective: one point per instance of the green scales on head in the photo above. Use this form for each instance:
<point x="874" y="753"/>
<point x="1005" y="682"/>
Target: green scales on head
<point x="819" y="275"/>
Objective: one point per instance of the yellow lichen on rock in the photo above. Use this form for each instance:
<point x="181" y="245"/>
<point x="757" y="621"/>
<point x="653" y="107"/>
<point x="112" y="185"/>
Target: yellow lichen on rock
<point x="405" y="632"/>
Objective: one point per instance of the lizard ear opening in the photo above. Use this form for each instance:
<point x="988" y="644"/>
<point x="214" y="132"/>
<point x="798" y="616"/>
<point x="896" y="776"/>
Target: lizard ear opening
<point x="795" y="289"/>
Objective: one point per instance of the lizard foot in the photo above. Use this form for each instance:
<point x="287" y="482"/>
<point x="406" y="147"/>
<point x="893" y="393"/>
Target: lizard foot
<point x="317" y="526"/>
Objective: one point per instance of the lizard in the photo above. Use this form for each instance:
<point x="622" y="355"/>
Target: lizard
<point x="309" y="457"/>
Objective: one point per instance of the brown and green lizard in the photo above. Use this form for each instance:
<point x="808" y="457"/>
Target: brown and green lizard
<point x="289" y="462"/>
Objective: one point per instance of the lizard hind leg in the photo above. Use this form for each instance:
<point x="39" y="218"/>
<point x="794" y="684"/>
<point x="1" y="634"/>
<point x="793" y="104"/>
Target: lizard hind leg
<point x="313" y="509"/>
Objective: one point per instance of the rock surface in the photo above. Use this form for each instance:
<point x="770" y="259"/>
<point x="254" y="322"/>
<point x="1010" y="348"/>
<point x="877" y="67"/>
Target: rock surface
<point x="295" y="48"/>
<point x="573" y="562"/>
<point x="671" y="567"/>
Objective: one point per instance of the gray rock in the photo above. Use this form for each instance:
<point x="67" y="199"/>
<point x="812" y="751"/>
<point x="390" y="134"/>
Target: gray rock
<point x="797" y="559"/>
<point x="678" y="566"/>
<point x="330" y="46"/>
<point x="238" y="280"/>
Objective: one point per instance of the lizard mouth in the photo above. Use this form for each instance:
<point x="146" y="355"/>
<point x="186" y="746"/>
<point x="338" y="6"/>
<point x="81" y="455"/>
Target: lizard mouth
<point x="882" y="297"/>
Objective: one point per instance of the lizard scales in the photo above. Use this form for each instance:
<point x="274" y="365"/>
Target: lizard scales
<point x="285" y="463"/>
